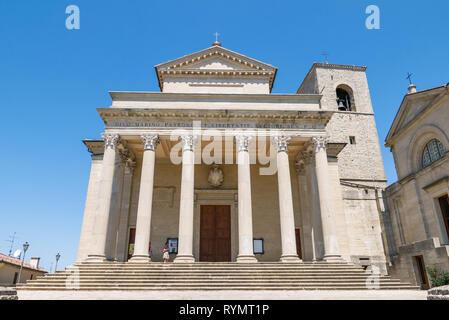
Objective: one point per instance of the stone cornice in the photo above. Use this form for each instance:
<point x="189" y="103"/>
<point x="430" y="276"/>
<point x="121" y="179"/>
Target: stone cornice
<point x="217" y="72"/>
<point x="95" y="146"/>
<point x="112" y="115"/>
<point x="338" y="66"/>
<point x="334" y="148"/>
<point x="329" y="66"/>
<point x="155" y="96"/>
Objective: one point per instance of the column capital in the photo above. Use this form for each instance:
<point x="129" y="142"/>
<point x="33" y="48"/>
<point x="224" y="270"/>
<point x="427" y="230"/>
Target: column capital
<point x="150" y="141"/>
<point x="125" y="154"/>
<point x="243" y="142"/>
<point x="188" y="142"/>
<point x="281" y="142"/>
<point x="111" y="140"/>
<point x="320" y="143"/>
<point x="306" y="156"/>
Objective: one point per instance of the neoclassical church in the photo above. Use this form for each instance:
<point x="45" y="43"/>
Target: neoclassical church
<point x="223" y="170"/>
<point x="417" y="219"/>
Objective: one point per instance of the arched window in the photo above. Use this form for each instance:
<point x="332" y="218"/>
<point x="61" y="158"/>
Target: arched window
<point x="433" y="151"/>
<point x="344" y="100"/>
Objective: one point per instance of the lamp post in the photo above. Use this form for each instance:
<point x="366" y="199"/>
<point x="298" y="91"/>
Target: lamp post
<point x="57" y="259"/>
<point x="25" y="248"/>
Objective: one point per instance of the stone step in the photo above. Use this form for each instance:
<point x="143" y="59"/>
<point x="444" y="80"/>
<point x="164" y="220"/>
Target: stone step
<point x="202" y="276"/>
<point x="210" y="276"/>
<point x="214" y="270"/>
<point x="227" y="288"/>
<point x="212" y="283"/>
<point x="192" y="273"/>
<point x="267" y="284"/>
<point x="214" y="263"/>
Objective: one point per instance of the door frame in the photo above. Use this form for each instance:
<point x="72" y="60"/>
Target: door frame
<point x="225" y="197"/>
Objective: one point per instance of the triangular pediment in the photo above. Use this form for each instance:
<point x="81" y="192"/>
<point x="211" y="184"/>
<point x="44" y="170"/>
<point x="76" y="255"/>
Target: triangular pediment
<point x="411" y="108"/>
<point x="218" y="61"/>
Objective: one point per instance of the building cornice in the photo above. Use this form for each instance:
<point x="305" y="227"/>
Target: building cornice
<point x="178" y="117"/>
<point x="95" y="146"/>
<point x="151" y="96"/>
<point x="329" y="66"/>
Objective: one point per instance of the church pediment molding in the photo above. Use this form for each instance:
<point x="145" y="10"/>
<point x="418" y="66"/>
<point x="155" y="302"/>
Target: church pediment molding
<point x="414" y="107"/>
<point x="216" y="62"/>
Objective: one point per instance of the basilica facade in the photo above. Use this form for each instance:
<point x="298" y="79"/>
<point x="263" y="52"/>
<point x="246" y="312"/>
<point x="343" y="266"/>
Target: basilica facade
<point x="221" y="169"/>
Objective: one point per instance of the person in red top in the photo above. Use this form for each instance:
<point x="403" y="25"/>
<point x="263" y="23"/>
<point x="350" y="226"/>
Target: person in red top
<point x="149" y="250"/>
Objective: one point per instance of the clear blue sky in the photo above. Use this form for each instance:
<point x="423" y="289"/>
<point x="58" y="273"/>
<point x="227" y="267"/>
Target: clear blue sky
<point x="52" y="80"/>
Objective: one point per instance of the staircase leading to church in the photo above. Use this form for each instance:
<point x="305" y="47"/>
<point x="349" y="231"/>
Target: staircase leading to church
<point x="212" y="276"/>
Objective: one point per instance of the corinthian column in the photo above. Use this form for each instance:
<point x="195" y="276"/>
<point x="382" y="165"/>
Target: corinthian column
<point x="185" y="245"/>
<point x="245" y="222"/>
<point x="122" y="235"/>
<point x="98" y="246"/>
<point x="143" y="223"/>
<point x="288" y="236"/>
<point x="331" y="250"/>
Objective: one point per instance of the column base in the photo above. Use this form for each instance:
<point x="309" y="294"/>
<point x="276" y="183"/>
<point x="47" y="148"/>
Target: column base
<point x="333" y="258"/>
<point x="184" y="259"/>
<point x="293" y="258"/>
<point x="246" y="259"/>
<point x="140" y="259"/>
<point x="96" y="258"/>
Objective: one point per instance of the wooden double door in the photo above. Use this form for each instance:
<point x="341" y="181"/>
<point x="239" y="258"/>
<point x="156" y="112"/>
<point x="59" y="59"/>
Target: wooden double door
<point x="215" y="233"/>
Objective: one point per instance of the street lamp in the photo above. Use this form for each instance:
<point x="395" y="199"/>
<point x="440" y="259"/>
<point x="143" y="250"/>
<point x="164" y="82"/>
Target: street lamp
<point x="57" y="259"/>
<point x="25" y="248"/>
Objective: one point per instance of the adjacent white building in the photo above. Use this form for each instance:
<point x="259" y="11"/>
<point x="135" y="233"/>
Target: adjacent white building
<point x="417" y="222"/>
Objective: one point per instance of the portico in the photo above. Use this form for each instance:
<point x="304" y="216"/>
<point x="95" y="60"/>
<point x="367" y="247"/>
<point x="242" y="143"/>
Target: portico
<point x="150" y="147"/>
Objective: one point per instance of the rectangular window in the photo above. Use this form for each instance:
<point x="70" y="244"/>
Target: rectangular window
<point x="444" y="205"/>
<point x="258" y="246"/>
<point x="352" y="140"/>
<point x="14" y="281"/>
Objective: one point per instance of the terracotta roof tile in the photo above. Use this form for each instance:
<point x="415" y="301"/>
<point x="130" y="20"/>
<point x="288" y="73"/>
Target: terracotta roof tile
<point x="18" y="262"/>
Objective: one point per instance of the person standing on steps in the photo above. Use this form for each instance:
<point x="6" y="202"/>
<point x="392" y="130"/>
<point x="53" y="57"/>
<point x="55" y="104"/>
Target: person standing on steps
<point x="165" y="252"/>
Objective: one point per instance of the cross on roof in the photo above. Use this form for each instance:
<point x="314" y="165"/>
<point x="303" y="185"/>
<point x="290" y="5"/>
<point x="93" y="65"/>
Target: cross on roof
<point x="409" y="77"/>
<point x="216" y="34"/>
<point x="325" y="55"/>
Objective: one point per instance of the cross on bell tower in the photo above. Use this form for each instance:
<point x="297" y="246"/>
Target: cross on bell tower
<point x="216" y="43"/>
